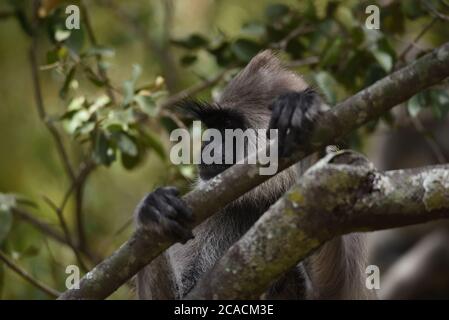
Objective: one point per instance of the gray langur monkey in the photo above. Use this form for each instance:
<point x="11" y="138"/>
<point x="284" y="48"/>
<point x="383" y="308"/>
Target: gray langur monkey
<point x="263" y="95"/>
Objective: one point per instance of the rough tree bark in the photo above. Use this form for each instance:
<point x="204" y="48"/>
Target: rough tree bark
<point x="342" y="193"/>
<point x="350" y="114"/>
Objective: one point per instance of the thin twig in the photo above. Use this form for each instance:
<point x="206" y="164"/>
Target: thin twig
<point x="39" y="99"/>
<point x="161" y="51"/>
<point x="25" y="275"/>
<point x="86" y="169"/>
<point x="303" y="62"/>
<point x="435" y="12"/>
<point x="178" y="97"/>
<point x="193" y="90"/>
<point x="93" y="40"/>
<point x="298" y="31"/>
<point x="419" y="36"/>
<point x="66" y="231"/>
<point x="42" y="226"/>
<point x="6" y="14"/>
<point x="48" y="230"/>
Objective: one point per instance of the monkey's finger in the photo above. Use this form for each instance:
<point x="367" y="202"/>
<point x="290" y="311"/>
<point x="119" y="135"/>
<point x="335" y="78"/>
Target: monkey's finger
<point x="293" y="136"/>
<point x="164" y="207"/>
<point x="171" y="190"/>
<point x="148" y="214"/>
<point x="185" y="213"/>
<point x="277" y="109"/>
<point x="284" y="125"/>
<point x="178" y="231"/>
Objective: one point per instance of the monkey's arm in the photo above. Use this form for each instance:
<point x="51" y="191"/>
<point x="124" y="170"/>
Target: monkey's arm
<point x="164" y="212"/>
<point x="336" y="270"/>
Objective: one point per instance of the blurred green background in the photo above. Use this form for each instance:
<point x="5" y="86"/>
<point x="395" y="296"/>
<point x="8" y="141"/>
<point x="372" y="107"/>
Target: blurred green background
<point x="157" y="36"/>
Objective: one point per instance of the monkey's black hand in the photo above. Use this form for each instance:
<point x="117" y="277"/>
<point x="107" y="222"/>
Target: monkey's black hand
<point x="293" y="115"/>
<point x="164" y="212"/>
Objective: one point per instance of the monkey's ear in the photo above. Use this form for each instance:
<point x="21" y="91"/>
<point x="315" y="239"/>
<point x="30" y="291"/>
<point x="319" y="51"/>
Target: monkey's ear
<point x="198" y="110"/>
<point x="191" y="108"/>
<point x="259" y="82"/>
<point x="264" y="60"/>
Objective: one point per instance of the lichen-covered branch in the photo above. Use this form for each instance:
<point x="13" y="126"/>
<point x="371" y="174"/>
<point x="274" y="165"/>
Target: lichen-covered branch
<point x="340" y="120"/>
<point x="342" y="193"/>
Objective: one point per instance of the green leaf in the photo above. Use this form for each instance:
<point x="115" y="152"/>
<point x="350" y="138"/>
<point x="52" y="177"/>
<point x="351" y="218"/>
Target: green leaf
<point x="128" y="85"/>
<point x="254" y="29"/>
<point x="31" y="251"/>
<point x="76" y="40"/>
<point x="188" y="60"/>
<point x="61" y="35"/>
<point x="130" y="162"/>
<point x="168" y="124"/>
<point x="52" y="56"/>
<point x="93" y="77"/>
<point x="384" y="59"/>
<point x="152" y="141"/>
<point x="120" y="117"/>
<point x="67" y="81"/>
<point x="102" y="51"/>
<point x="5" y="224"/>
<point x="415" y="104"/>
<point x="25" y="201"/>
<point x="440" y="102"/>
<point x="76" y="120"/>
<point x="76" y="103"/>
<point x="327" y="85"/>
<point x="7" y="201"/>
<point x="146" y="104"/>
<point x="276" y="11"/>
<point x="245" y="49"/>
<point x="126" y="144"/>
<point x="332" y="54"/>
<point x="86" y="128"/>
<point x="357" y="36"/>
<point x="222" y="54"/>
<point x="103" y="152"/>
<point x="344" y="15"/>
<point x="187" y="171"/>
<point x="413" y="9"/>
<point x="194" y="41"/>
<point x="100" y="102"/>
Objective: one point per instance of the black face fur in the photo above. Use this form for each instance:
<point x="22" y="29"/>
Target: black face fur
<point x="213" y="116"/>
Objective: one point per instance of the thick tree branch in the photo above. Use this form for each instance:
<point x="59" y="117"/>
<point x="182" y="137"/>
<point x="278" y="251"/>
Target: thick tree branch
<point x="331" y="199"/>
<point x="366" y="105"/>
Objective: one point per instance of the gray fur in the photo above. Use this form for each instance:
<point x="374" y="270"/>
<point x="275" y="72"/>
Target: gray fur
<point x="334" y="271"/>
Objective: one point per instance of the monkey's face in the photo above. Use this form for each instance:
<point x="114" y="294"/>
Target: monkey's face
<point x="222" y="147"/>
<point x="224" y="151"/>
